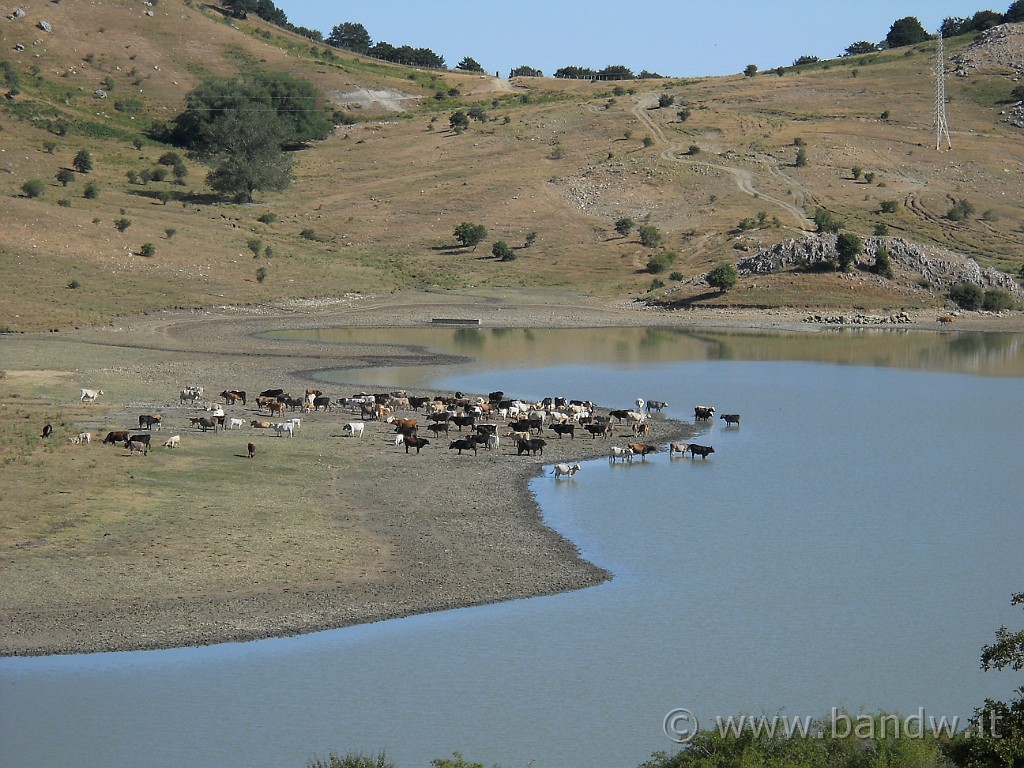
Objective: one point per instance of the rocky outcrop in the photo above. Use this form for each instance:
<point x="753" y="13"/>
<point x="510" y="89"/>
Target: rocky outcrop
<point x="1001" y="47"/>
<point x="939" y="266"/>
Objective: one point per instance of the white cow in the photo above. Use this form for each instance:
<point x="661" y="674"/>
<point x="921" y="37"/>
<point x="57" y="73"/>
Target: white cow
<point x="84" y="438"/>
<point x="236" y="423"/>
<point x="91" y="395"/>
<point x="565" y="469"/>
<point x="626" y="454"/>
<point x="354" y="428"/>
<point x="283" y="427"/>
<point x="172" y="442"/>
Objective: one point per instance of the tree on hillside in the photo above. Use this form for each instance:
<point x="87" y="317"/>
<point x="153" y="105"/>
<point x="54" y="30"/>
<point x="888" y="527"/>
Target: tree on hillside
<point x="470" y="235"/>
<point x="265" y="9"/>
<point x="954" y="26"/>
<point x="650" y="236"/>
<point x="983" y="20"/>
<point x="906" y="31"/>
<point x="825" y="222"/>
<point x="83" y="161"/>
<point x="459" y="121"/>
<point x="350" y="36"/>
<point x="616" y="72"/>
<point x="469" y="64"/>
<point x="861" y="46"/>
<point x="805" y="60"/>
<point x="750" y="70"/>
<point x="723" y="277"/>
<point x="525" y="71"/>
<point x="575" y="73"/>
<point x="848" y="245"/>
<point x="625" y="225"/>
<point x="1014" y="13"/>
<point x="248" y="157"/>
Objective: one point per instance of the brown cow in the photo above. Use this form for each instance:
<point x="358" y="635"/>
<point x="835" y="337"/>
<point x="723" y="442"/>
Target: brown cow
<point x="730" y="419"/>
<point x="118" y="436"/>
<point x="642" y="449"/>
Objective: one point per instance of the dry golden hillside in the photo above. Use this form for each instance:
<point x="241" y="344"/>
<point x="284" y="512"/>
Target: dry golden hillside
<point x="373" y="208"/>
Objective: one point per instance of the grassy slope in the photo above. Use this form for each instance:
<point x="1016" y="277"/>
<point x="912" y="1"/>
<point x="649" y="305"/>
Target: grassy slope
<point x="384" y="195"/>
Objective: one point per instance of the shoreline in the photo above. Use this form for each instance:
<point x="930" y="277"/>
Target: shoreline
<point x="429" y="545"/>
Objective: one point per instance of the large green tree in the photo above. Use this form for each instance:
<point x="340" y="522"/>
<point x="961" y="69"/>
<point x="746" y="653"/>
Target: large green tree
<point x="848" y="246"/>
<point x="469" y="64"/>
<point x="351" y="36"/>
<point x="906" y="31"/>
<point x="249" y="157"/>
<point x="1015" y="12"/>
<point x="470" y="235"/>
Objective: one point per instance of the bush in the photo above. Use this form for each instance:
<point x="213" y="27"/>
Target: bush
<point x="352" y="760"/>
<point x="83" y="161"/>
<point x="801" y="158"/>
<point x="723" y="277"/>
<point x="881" y="229"/>
<point x="65" y="176"/>
<point x="825" y="222"/>
<point x="684" y="114"/>
<point x="996" y="300"/>
<point x="64" y="203"/>
<point x="869" y="177"/>
<point x="261" y="274"/>
<point x="501" y="251"/>
<point x="848" y="246"/>
<point x="648" y="141"/>
<point x="624" y="226"/>
<point x="91" y="191"/>
<point x="267" y="218"/>
<point x="531" y="238"/>
<point x="650" y="236"/>
<point x="967" y="296"/>
<point x="170" y="232"/>
<point x="74" y="284"/>
<point x="660" y="262"/>
<point x="309" y="234"/>
<point x="255" y="245"/>
<point x="122" y="224"/>
<point x="664" y="100"/>
<point x="889" y="206"/>
<point x="33" y="188"/>
<point x="883" y="264"/>
<point x="693" y="150"/>
<point x="856" y="171"/>
<point x="147" y="249"/>
<point x="961" y="210"/>
<point x="677" y="277"/>
<point x="656" y="283"/>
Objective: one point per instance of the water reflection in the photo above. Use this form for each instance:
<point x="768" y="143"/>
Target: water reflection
<point x="989" y="354"/>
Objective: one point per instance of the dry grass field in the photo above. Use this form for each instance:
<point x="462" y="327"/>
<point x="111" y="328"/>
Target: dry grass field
<point x="103" y="549"/>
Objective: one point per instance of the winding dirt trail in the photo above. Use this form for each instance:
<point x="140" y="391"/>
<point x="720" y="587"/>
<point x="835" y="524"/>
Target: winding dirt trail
<point x="743" y="178"/>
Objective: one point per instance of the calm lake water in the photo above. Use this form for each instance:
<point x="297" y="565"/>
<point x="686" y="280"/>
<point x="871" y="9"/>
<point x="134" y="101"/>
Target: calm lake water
<point x="853" y="544"/>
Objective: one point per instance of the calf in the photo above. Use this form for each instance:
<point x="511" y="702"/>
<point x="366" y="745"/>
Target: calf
<point x="414" y="442"/>
<point x="463" y="445"/>
<point x="515" y="435"/>
<point x="134" y="446"/>
<point x="237" y="423"/>
<point x="564" y="429"/>
<point x="275" y="408"/>
<point x="252" y="449"/>
<point x="700" y="450"/>
<point x="730" y="419"/>
<point x="47" y="430"/>
<point x="354" y="428"/>
<point x="85" y="438"/>
<point x="565" y="469"/>
<point x="173" y="442"/>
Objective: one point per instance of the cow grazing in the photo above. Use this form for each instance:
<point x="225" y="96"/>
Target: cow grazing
<point x="117" y="436"/>
<point x="700" y="450"/>
<point x="463" y="444"/>
<point x="204" y="423"/>
<point x="47" y="430"/>
<point x="150" y="421"/>
<point x="680" y="448"/>
<point x="414" y="442"/>
<point x="252" y="449"/>
<point x="730" y="419"/>
<point x="642" y="449"/>
<point x="275" y="408"/>
<point x="532" y="446"/>
<point x="619" y="414"/>
<point x="91" y="395"/>
<point x="437" y="428"/>
<point x="321" y="401"/>
<point x="138" y="439"/>
<point x="233" y="396"/>
<point x="595" y="430"/>
<point x="134" y="446"/>
<point x="354" y="428"/>
<point x="623" y="454"/>
<point x="172" y="442"/>
<point x="564" y="429"/>
<point x="568" y="470"/>
<point x="703" y="412"/>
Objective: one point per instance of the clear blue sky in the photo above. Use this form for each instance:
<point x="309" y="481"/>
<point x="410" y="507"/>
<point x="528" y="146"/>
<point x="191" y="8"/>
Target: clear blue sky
<point x="679" y="38"/>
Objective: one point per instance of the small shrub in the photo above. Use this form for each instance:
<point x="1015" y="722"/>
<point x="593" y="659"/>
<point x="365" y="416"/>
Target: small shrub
<point x="723" y="277"/>
<point x="33" y="188"/>
<point x="656" y="283"/>
<point x="869" y="177"/>
<point x="883" y="264"/>
<point x="64" y="203"/>
<point x="693" y="150"/>
<point x="967" y="296"/>
<point x="961" y="210"/>
<point x="309" y="234"/>
<point x="133" y="177"/>
<point x="881" y="229"/>
<point x="996" y="300"/>
<point x="664" y="100"/>
<point x="170" y="232"/>
<point x="889" y="206"/>
<point x="684" y="114"/>
<point x="826" y="222"/>
<point x="624" y="226"/>
<point x="261" y="274"/>
<point x="170" y="159"/>
<point x="49" y="147"/>
<point x="676" y="276"/>
<point x="798" y="142"/>
<point x="158" y="174"/>
<point x="147" y="250"/>
<point x="531" y="238"/>
<point x="74" y="284"/>
<point x="856" y="171"/>
<point x="83" y="161"/>
<point x="650" y="236"/>
<point x="884" y="115"/>
<point x="164" y="196"/>
<point x="801" y="158"/>
<point x="91" y="191"/>
<point x="501" y="251"/>
<point x="648" y="141"/>
<point x="267" y="218"/>
<point x="660" y="262"/>
<point x="990" y="216"/>
<point x="122" y="224"/>
<point x="268" y="252"/>
<point x="255" y="245"/>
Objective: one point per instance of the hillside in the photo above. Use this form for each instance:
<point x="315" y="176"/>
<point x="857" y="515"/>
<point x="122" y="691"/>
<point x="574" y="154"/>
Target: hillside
<point x="373" y="207"/>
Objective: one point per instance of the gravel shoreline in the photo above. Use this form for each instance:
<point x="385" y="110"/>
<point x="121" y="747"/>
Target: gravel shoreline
<point x="440" y="544"/>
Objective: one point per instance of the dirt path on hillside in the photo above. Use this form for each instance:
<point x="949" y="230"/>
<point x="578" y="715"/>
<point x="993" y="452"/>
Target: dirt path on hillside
<point x="742" y="177"/>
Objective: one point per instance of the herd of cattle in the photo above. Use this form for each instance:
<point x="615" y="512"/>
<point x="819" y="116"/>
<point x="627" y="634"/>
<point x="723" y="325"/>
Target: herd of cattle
<point x="486" y="421"/>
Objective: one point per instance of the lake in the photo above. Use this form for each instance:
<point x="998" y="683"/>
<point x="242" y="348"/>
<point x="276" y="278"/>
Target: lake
<point x="853" y="545"/>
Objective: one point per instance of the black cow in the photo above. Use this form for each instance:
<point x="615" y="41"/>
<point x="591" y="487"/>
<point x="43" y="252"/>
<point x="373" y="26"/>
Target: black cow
<point x="520" y="425"/>
<point x="487" y="429"/>
<point x="323" y="401"/>
<point x="136" y="439"/>
<point x="564" y="429"/>
<point x="730" y="419"/>
<point x="495" y="397"/>
<point x="148" y="422"/>
<point x="415" y="442"/>
<point x="271" y="393"/>
<point x="406" y="430"/>
<point x="530" y="446"/>
<point x="438" y="428"/>
<point x="703" y="412"/>
<point x="619" y="414"/>
<point x="48" y="430"/>
<point x="604" y="430"/>
<point x="700" y="450"/>
<point x="252" y="449"/>
<point x="202" y="422"/>
<point x="464" y="421"/>
<point x="463" y="445"/>
<point x="418" y="402"/>
<point x="442" y="416"/>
